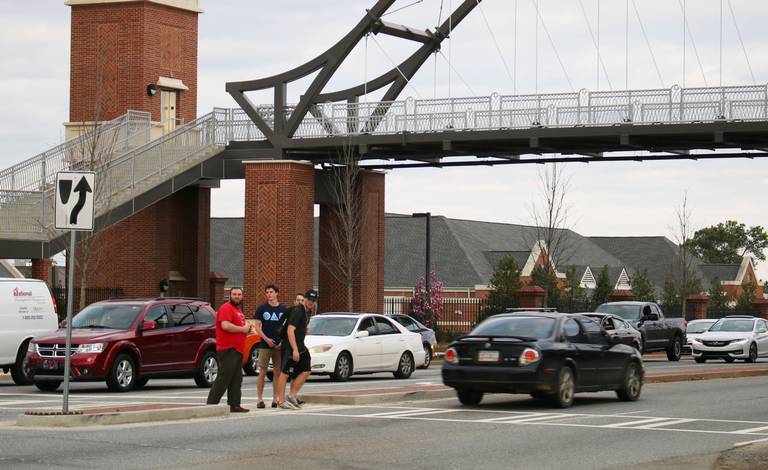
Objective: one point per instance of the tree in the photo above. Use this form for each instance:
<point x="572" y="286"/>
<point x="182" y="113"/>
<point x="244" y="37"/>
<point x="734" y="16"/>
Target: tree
<point x="642" y="287"/>
<point x="547" y="280"/>
<point x="549" y="216"/>
<point x="427" y="306"/>
<point x="344" y="231"/>
<point x="729" y="242"/>
<point x="748" y="293"/>
<point x="505" y="282"/>
<point x="603" y="288"/>
<point x="683" y="274"/>
<point x="670" y="295"/>
<point x="574" y="296"/>
<point x="717" y="298"/>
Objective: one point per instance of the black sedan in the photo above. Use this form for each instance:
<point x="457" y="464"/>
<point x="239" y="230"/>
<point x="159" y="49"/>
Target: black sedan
<point x="547" y="355"/>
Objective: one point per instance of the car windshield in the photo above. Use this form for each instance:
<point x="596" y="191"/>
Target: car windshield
<point x="627" y="312"/>
<point x="331" y="326"/>
<point x="530" y="327"/>
<point x="732" y="325"/>
<point x="118" y="317"/>
<point x="698" y="327"/>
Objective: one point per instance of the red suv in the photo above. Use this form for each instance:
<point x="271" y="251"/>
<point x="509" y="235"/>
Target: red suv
<point x="128" y="341"/>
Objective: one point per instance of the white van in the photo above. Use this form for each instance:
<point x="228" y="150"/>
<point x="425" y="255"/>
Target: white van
<point x="26" y="310"/>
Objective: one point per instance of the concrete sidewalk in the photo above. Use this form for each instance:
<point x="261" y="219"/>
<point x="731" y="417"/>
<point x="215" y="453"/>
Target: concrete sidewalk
<point x="123" y="414"/>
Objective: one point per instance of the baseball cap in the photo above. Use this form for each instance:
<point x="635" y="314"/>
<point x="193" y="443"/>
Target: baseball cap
<point x="311" y="295"/>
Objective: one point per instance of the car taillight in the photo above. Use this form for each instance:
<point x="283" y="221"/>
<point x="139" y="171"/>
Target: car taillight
<point x="529" y="356"/>
<point x="451" y="356"/>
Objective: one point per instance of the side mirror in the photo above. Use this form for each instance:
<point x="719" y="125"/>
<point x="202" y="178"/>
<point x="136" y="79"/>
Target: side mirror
<point x="361" y="334"/>
<point x="148" y="325"/>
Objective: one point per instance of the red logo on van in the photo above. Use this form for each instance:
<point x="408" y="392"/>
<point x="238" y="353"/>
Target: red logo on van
<point x="21" y="293"/>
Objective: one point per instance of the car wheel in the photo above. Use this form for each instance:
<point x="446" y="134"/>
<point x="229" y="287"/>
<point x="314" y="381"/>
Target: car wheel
<point x="251" y="367"/>
<point x="405" y="366"/>
<point x="141" y="382"/>
<point x="469" y="397"/>
<point x="122" y="376"/>
<point x="20" y="371"/>
<point x="700" y="360"/>
<point x="427" y="356"/>
<point x="207" y="370"/>
<point x="630" y="389"/>
<point x="675" y="350"/>
<point x="343" y="369"/>
<point x="752" y="353"/>
<point x="48" y="385"/>
<point x="729" y="360"/>
<point x="566" y="387"/>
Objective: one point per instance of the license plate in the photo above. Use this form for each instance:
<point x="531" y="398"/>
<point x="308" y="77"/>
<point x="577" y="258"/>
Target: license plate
<point x="49" y="364"/>
<point x="488" y="356"/>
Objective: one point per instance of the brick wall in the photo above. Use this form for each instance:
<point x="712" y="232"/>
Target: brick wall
<point x="138" y="252"/>
<point x="278" y="229"/>
<point x="119" y="48"/>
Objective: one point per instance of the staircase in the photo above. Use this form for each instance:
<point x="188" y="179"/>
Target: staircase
<point x="127" y="165"/>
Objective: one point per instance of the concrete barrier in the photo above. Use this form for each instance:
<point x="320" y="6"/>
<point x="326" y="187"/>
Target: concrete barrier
<point x="123" y="417"/>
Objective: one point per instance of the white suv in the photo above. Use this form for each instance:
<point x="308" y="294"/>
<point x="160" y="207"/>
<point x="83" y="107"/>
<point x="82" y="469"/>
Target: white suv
<point x="733" y="337"/>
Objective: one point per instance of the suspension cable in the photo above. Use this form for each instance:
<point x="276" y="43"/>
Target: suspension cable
<point x="626" y="44"/>
<point x="450" y="46"/>
<point x="365" y="68"/>
<point x="685" y="21"/>
<point x="741" y="41"/>
<point x="596" y="43"/>
<point x="721" y="43"/>
<point x="693" y="44"/>
<point x="514" y="54"/>
<point x="439" y="20"/>
<point x="495" y="42"/>
<point x="408" y="82"/>
<point x="402" y="8"/>
<point x="466" y="84"/>
<point x="648" y="43"/>
<point x="536" y="67"/>
<point x="554" y="48"/>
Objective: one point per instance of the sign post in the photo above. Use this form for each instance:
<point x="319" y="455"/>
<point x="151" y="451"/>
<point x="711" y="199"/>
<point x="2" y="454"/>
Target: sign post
<point x="73" y="214"/>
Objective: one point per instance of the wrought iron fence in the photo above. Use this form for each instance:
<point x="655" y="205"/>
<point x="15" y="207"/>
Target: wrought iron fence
<point x="459" y="315"/>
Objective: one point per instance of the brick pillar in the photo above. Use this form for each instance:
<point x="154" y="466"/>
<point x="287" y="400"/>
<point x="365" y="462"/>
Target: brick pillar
<point x="278" y="229"/>
<point x="696" y="307"/>
<point x="761" y="307"/>
<point x="368" y="275"/>
<point x="41" y="269"/>
<point x="531" y="296"/>
<point x="622" y="295"/>
<point x="216" y="282"/>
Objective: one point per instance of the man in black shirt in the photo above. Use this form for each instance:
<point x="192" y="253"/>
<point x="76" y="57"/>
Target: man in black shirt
<point x="296" y="360"/>
<point x="269" y="319"/>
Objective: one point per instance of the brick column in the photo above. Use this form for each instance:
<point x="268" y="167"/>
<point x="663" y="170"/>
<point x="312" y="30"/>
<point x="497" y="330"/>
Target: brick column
<point x="41" y="269"/>
<point x="531" y="296"/>
<point x="622" y="295"/>
<point x="761" y="307"/>
<point x="278" y="229"/>
<point x="368" y="275"/>
<point x="216" y="282"/>
<point x="696" y="306"/>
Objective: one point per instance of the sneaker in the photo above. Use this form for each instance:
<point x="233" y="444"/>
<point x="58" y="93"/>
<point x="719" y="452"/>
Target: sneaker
<point x="260" y="405"/>
<point x="300" y="401"/>
<point x="274" y="404"/>
<point x="293" y="401"/>
<point x="286" y="406"/>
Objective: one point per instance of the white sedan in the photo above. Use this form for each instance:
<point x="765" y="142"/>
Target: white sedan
<point x="343" y="344"/>
<point x="733" y="337"/>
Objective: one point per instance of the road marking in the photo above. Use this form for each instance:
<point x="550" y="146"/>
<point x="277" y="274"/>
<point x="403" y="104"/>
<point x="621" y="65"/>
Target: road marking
<point x="740" y="444"/>
<point x="398" y="412"/>
<point x="518" y="420"/>
<point x="633" y="424"/>
<point x="750" y="430"/>
<point x="668" y="422"/>
<point x="505" y="418"/>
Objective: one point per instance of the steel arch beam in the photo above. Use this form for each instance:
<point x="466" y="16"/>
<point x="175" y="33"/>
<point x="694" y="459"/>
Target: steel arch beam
<point x="328" y="63"/>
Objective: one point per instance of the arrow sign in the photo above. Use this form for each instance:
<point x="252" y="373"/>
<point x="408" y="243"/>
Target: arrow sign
<point x="74" y="213"/>
<point x="83" y="188"/>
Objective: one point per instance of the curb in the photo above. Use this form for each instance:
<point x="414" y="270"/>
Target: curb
<point x="128" y="417"/>
<point x="368" y="399"/>
<point x="707" y="375"/>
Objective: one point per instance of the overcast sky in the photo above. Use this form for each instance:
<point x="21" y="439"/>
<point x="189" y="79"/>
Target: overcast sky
<point x="246" y="39"/>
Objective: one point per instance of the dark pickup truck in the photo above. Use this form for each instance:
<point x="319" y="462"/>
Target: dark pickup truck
<point x="659" y="333"/>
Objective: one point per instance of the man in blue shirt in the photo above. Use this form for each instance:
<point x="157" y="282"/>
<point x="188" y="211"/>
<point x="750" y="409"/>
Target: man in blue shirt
<point x="269" y="319"/>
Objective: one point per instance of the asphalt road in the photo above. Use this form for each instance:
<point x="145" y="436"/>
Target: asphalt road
<point x="677" y="425"/>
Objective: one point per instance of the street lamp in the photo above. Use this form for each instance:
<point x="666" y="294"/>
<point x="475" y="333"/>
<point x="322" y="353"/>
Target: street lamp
<point x="427" y="216"/>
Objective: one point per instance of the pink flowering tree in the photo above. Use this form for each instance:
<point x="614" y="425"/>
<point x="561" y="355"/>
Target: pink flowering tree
<point x="427" y="306"/>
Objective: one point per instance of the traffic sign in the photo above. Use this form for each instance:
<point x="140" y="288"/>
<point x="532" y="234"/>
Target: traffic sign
<point x="74" y="200"/>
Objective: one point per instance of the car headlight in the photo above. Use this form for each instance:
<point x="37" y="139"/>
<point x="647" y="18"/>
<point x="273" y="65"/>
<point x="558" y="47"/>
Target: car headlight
<point x="320" y="348"/>
<point x="696" y="340"/>
<point x="91" y="348"/>
<point x="740" y="341"/>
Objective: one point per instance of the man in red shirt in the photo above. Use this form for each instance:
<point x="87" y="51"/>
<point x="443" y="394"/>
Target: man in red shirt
<point x="230" y="338"/>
